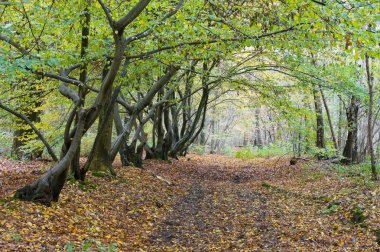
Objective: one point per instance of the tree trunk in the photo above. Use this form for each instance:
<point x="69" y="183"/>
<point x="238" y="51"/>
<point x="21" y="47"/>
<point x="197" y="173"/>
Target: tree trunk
<point x="329" y="120"/>
<point x="370" y="112"/>
<point x="213" y="138"/>
<point x="340" y="125"/>
<point x="159" y="133"/>
<point x="174" y="113"/>
<point x="48" y="187"/>
<point x="139" y="107"/>
<point x="21" y="135"/>
<point x="349" y="151"/>
<point x="119" y="129"/>
<point x="320" y="141"/>
<point x="101" y="162"/>
<point x="169" y="136"/>
<point x="182" y="145"/>
<point x="85" y="22"/>
<point x="258" y="138"/>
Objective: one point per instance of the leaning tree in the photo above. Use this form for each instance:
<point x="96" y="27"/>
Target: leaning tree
<point x="82" y="43"/>
<point x="47" y="188"/>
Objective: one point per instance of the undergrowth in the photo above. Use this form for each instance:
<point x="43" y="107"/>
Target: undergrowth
<point x="264" y="152"/>
<point x="360" y="173"/>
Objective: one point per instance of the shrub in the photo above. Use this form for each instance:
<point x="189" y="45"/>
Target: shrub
<point x="198" y="149"/>
<point x="264" y="152"/>
<point x="244" y="152"/>
<point x="322" y="153"/>
<point x="228" y="151"/>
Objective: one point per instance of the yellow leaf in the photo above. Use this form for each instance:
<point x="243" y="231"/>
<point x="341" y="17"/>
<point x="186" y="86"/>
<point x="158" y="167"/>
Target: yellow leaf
<point x="356" y="57"/>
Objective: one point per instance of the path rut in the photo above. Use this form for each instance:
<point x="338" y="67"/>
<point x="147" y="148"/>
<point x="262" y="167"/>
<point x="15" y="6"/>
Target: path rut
<point x="221" y="210"/>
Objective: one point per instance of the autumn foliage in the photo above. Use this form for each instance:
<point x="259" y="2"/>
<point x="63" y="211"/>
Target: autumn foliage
<point x="199" y="203"/>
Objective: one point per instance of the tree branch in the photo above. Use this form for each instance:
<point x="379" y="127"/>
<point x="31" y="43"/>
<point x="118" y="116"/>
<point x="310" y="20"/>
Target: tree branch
<point x="131" y="15"/>
<point x="149" y="30"/>
<point x="319" y="2"/>
<point x="108" y="13"/>
<point x="59" y="77"/>
<point x="207" y="42"/>
<point x="38" y="133"/>
<point x="14" y="44"/>
<point x="155" y="88"/>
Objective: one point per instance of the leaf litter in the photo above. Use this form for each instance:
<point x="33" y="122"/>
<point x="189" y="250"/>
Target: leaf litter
<point x="197" y="203"/>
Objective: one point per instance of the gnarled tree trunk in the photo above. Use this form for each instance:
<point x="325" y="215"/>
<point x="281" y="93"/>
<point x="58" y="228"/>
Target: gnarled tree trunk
<point x="101" y="162"/>
<point x="48" y="187"/>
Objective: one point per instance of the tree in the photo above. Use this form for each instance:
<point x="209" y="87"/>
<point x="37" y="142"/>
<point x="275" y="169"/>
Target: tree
<point x="370" y="115"/>
<point x="320" y="142"/>
<point x="48" y="187"/>
<point x="167" y="60"/>
<point x="350" y="148"/>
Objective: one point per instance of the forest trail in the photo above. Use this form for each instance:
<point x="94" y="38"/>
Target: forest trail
<point x="218" y="208"/>
<point x="259" y="205"/>
<point x="213" y="203"/>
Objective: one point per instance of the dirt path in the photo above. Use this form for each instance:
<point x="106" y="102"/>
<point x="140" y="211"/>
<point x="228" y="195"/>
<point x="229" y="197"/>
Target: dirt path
<point x="212" y="203"/>
<point x="224" y="208"/>
<point x="263" y="205"/>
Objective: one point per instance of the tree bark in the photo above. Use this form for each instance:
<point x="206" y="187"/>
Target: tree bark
<point x="258" y="138"/>
<point x="85" y="22"/>
<point x="100" y="162"/>
<point x="213" y="133"/>
<point x="140" y="106"/>
<point x="181" y="145"/>
<point x="48" y="187"/>
<point x="159" y="132"/>
<point x="100" y="142"/>
<point x="119" y="129"/>
<point x="320" y="140"/>
<point x="352" y="131"/>
<point x="370" y="114"/>
<point x="340" y="125"/>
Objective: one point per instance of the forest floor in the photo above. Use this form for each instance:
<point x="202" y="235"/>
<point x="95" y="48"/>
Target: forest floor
<point x="197" y="203"/>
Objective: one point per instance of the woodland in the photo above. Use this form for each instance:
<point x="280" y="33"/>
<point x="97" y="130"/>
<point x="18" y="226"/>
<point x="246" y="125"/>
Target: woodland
<point x="189" y="125"/>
